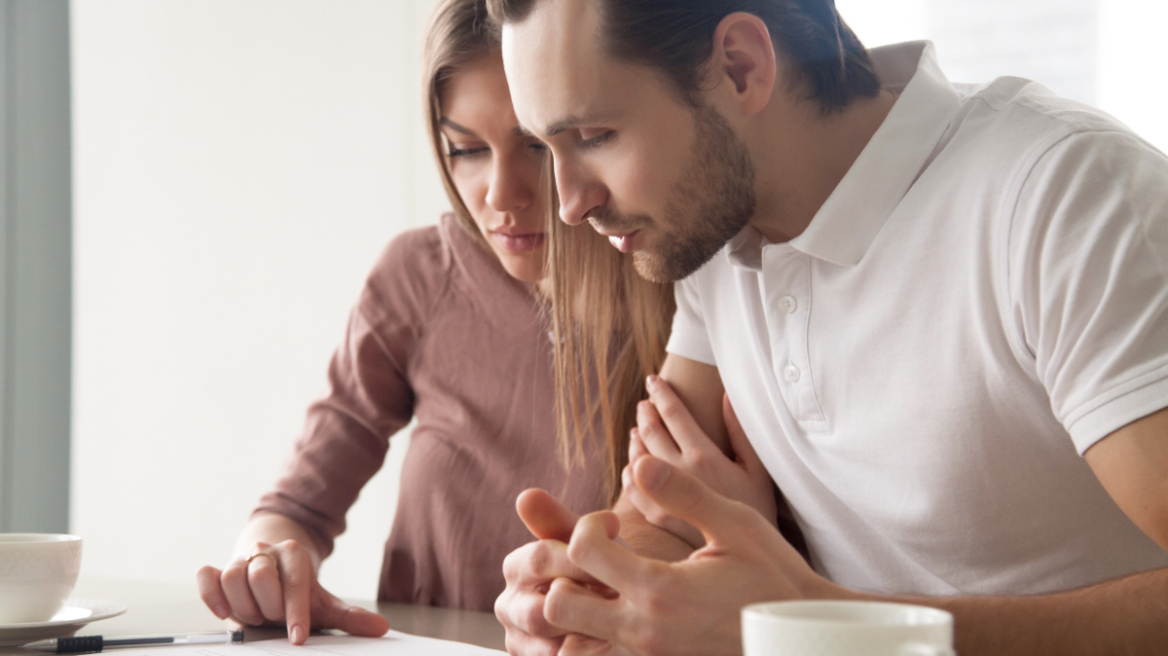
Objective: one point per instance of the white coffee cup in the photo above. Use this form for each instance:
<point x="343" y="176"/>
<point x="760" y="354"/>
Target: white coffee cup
<point x="845" y="628"/>
<point x="37" y="573"/>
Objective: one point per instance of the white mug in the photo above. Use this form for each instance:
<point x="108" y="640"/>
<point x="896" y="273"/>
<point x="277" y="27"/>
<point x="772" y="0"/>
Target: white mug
<point x="37" y="573"/>
<point x="845" y="628"/>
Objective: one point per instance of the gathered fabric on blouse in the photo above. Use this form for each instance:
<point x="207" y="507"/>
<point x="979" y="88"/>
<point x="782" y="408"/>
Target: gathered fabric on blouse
<point x="441" y="334"/>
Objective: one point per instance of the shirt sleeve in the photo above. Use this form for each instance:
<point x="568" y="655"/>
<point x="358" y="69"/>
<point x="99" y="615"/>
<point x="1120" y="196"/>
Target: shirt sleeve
<point x="368" y="398"/>
<point x="688" y="337"/>
<point x="1088" y="271"/>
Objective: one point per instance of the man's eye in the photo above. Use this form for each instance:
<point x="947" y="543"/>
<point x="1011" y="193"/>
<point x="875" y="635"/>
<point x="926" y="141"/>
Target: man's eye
<point x="466" y="152"/>
<point x="589" y="141"/>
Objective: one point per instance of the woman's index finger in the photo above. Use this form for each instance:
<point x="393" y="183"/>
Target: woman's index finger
<point x="298" y="578"/>
<point x="676" y="417"/>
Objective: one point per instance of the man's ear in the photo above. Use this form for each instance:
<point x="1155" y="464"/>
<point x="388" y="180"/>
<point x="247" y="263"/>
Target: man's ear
<point x="743" y="67"/>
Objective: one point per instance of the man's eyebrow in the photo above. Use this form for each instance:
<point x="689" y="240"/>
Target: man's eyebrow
<point x="456" y="127"/>
<point x="564" y="124"/>
<point x="574" y="121"/>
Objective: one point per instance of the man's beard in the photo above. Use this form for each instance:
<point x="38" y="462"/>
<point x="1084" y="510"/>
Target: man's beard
<point x="712" y="202"/>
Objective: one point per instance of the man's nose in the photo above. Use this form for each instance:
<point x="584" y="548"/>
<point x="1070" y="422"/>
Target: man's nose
<point x="580" y="194"/>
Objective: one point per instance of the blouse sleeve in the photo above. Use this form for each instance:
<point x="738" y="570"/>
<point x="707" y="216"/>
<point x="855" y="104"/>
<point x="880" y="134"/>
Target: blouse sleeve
<point x="368" y="397"/>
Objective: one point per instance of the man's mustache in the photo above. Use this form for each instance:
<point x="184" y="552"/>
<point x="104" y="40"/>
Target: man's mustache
<point x="611" y="221"/>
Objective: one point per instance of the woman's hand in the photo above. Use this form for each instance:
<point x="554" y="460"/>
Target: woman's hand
<point x="666" y="430"/>
<point x="277" y="584"/>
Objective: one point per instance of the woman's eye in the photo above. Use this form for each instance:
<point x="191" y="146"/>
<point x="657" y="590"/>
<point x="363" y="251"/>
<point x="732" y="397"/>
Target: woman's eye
<point x="538" y="146"/>
<point x="592" y="139"/>
<point x="466" y="152"/>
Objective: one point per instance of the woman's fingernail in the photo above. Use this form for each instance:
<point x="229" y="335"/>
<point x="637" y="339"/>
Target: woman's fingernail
<point x="651" y="381"/>
<point x="296" y="634"/>
<point x="654" y="472"/>
<point x="220" y="611"/>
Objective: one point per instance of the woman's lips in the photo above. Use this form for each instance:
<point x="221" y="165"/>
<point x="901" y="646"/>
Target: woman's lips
<point x="623" y="243"/>
<point x="518" y="244"/>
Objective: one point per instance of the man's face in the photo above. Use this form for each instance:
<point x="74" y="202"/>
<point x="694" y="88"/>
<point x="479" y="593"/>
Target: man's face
<point x="663" y="180"/>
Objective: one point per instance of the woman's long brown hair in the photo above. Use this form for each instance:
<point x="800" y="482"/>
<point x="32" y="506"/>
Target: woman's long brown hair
<point x="610" y="328"/>
<point x="609" y="324"/>
<point x="458" y="33"/>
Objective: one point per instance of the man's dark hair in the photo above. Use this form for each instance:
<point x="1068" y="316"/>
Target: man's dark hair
<point x="676" y="36"/>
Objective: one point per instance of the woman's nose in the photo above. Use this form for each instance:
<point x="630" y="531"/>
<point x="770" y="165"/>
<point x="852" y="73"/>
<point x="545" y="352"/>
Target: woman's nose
<point x="512" y="186"/>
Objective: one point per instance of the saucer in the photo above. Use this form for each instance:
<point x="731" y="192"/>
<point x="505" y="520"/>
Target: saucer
<point x="75" y="614"/>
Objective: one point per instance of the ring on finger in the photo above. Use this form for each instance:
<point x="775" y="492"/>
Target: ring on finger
<point x="258" y="554"/>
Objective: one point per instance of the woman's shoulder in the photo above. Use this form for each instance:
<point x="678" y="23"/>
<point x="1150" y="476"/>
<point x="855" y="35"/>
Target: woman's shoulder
<point x="417" y="250"/>
<point x="418" y="267"/>
<point x="434" y="248"/>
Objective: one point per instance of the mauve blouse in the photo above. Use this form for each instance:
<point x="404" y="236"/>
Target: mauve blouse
<point x="443" y="334"/>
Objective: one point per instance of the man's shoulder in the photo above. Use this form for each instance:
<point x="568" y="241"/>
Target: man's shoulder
<point x="1011" y="134"/>
<point x="1015" y="114"/>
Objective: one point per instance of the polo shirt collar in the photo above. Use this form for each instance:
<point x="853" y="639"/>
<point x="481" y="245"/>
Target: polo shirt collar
<point x="898" y="152"/>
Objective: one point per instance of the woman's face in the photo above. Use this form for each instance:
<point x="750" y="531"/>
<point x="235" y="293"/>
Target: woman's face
<point x="496" y="168"/>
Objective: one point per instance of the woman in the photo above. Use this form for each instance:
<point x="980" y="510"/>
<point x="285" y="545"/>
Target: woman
<point x="451" y="330"/>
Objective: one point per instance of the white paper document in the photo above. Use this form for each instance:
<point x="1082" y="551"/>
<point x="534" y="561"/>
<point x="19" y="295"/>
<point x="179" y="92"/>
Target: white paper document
<point x="392" y="644"/>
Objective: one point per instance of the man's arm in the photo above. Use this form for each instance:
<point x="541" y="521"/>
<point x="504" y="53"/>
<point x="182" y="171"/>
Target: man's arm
<point x="677" y="608"/>
<point x="1132" y="465"/>
<point x="699" y="386"/>
<point x="1121" y="617"/>
<point x="1126" y="616"/>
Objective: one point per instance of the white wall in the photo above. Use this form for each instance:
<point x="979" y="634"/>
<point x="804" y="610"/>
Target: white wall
<point x="238" y="165"/>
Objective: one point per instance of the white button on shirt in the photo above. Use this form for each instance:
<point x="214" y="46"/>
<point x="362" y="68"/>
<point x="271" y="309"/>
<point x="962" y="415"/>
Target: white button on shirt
<point x="980" y="300"/>
<point x="791" y="373"/>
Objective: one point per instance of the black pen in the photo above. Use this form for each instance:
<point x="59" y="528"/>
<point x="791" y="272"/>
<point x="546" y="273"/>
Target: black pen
<point x="90" y="644"/>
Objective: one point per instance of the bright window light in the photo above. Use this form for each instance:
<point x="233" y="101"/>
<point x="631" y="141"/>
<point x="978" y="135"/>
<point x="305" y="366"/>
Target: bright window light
<point x="1102" y="52"/>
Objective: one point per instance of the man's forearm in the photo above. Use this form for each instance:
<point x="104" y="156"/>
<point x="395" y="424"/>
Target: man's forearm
<point x="1121" y="617"/>
<point x="648" y="540"/>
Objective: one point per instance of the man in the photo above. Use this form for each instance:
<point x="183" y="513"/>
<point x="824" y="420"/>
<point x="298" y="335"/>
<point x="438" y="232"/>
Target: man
<point x="941" y="315"/>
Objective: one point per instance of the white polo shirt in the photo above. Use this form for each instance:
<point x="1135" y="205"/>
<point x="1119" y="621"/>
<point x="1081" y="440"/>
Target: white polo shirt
<point x="982" y="298"/>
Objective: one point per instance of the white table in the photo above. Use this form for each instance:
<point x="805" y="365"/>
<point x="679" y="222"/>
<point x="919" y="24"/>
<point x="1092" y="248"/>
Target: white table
<point x="167" y="608"/>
